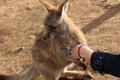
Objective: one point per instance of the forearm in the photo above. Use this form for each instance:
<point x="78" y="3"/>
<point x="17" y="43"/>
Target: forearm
<point x="100" y="61"/>
<point x="86" y="53"/>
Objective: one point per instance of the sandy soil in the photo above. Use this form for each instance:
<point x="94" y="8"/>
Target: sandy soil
<point x="22" y="20"/>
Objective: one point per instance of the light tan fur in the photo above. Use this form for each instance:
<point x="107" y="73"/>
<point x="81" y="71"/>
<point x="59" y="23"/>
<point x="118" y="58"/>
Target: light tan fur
<point x="51" y="50"/>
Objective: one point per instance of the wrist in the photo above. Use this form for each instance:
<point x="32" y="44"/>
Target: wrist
<point x="86" y="53"/>
<point x="78" y="50"/>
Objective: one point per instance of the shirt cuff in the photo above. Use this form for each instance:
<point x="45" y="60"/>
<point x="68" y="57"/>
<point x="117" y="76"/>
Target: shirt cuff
<point x="97" y="61"/>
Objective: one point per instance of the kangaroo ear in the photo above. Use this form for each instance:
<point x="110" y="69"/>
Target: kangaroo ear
<point x="63" y="8"/>
<point x="48" y="7"/>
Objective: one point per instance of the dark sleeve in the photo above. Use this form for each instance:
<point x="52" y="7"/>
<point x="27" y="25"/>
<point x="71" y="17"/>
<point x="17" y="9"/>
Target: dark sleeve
<point x="106" y="63"/>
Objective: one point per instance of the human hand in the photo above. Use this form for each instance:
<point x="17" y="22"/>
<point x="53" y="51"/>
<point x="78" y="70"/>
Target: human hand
<point x="74" y="52"/>
<point x="81" y="51"/>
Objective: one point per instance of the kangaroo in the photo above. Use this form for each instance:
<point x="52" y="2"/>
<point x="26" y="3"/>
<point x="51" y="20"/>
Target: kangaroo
<point x="51" y="49"/>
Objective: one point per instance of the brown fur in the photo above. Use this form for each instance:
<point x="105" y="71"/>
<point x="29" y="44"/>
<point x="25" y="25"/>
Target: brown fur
<point x="2" y="77"/>
<point x="51" y="50"/>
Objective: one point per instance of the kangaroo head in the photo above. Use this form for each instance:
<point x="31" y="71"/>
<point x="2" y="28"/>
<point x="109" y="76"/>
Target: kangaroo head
<point x="55" y="15"/>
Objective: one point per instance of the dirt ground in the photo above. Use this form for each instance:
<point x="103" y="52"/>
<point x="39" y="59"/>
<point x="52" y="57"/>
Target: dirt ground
<point x="22" y="20"/>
